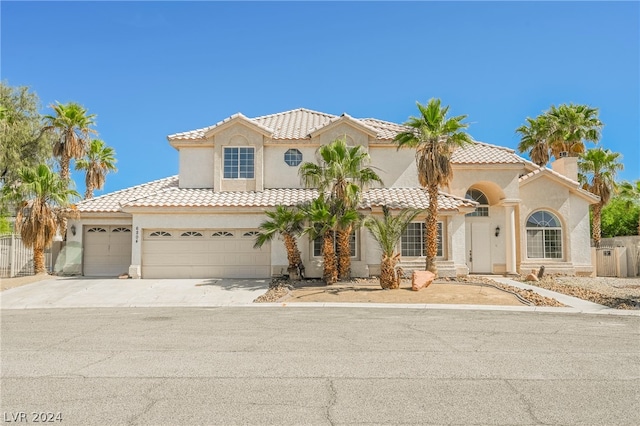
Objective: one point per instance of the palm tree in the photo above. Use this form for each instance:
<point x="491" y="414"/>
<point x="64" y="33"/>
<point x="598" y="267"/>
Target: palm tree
<point x="39" y="216"/>
<point x="322" y="224"/>
<point x="72" y="125"/>
<point x="533" y="139"/>
<point x="434" y="136"/>
<point x="99" y="160"/>
<point x="570" y="126"/>
<point x="598" y="169"/>
<point x="288" y="222"/>
<point x="341" y="173"/>
<point x="631" y="192"/>
<point x="387" y="232"/>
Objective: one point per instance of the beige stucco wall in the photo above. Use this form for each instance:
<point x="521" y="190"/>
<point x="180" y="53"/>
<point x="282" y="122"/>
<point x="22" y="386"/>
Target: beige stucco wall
<point x="279" y="174"/>
<point x="397" y="168"/>
<point x="573" y="212"/>
<point x="196" y="167"/>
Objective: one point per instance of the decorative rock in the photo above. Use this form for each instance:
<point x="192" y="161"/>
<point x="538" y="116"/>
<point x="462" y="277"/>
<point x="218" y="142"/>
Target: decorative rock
<point x="532" y="276"/>
<point x="421" y="279"/>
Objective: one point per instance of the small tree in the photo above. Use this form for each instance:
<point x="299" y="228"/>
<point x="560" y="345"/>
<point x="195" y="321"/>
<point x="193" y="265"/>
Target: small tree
<point x="288" y="222"/>
<point x="40" y="214"/>
<point x="387" y="232"/>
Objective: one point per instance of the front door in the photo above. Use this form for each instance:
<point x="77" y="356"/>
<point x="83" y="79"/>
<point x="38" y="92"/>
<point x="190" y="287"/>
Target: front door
<point x="479" y="248"/>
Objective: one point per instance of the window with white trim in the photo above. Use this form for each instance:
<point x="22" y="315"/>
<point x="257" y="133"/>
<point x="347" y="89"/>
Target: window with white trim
<point x="544" y="236"/>
<point x="483" y="201"/>
<point x="239" y="162"/>
<point x="317" y="245"/>
<point x="293" y="157"/>
<point x="412" y="243"/>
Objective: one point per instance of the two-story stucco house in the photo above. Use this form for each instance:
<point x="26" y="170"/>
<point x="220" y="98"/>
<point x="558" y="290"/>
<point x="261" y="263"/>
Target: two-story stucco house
<point x="501" y="213"/>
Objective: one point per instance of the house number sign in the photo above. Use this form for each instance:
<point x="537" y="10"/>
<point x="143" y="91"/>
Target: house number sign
<point x="137" y="233"/>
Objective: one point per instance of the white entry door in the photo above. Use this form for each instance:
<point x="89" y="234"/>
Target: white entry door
<point x="479" y="248"/>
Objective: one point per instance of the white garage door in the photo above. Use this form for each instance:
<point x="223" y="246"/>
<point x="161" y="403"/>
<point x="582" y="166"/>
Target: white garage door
<point x="107" y="250"/>
<point x="170" y="253"/>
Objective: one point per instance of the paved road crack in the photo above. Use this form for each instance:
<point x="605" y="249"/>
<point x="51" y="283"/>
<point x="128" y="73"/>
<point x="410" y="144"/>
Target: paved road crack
<point x="333" y="396"/>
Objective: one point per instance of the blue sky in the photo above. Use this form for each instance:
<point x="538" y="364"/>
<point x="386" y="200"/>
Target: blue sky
<point x="150" y="69"/>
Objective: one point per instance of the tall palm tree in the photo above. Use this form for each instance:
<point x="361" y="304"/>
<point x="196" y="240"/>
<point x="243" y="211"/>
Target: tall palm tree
<point x="43" y="196"/>
<point x="72" y="125"/>
<point x="99" y="160"/>
<point x="434" y="136"/>
<point x="288" y="222"/>
<point x="631" y="192"/>
<point x="341" y="173"/>
<point x="570" y="126"/>
<point x="533" y="138"/>
<point x="387" y="232"/>
<point x="598" y="168"/>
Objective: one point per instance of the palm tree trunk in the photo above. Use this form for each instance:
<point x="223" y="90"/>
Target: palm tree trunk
<point x="597" y="218"/>
<point x="293" y="255"/>
<point x="88" y="193"/>
<point x="344" y="253"/>
<point x="389" y="278"/>
<point x="431" y="230"/>
<point x="330" y="270"/>
<point x="38" y="260"/>
<point x="64" y="168"/>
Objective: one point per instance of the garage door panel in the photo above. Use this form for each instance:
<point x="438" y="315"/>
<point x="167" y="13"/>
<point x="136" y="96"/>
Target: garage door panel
<point x="106" y="250"/>
<point x="214" y="254"/>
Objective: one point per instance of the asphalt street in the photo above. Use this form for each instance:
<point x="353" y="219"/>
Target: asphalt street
<point x="257" y="365"/>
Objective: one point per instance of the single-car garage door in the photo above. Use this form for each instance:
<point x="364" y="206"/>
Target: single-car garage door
<point x="171" y="253"/>
<point x="107" y="250"/>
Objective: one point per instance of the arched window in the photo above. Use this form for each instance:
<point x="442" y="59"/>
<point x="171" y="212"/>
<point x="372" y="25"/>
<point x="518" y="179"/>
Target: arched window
<point x="477" y="195"/>
<point x="544" y="236"/>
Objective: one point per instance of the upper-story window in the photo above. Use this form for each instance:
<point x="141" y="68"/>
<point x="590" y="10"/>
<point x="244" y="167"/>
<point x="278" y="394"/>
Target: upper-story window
<point x="476" y="195"/>
<point x="239" y="162"/>
<point x="293" y="157"/>
<point x="544" y="236"/>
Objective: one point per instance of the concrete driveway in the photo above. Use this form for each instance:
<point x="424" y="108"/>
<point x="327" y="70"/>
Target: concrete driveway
<point x="74" y="292"/>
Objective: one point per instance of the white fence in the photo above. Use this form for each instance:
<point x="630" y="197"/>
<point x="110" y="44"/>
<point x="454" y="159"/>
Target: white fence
<point x="16" y="260"/>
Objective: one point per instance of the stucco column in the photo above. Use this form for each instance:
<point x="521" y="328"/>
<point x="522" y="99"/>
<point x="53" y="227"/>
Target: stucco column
<point x="135" y="269"/>
<point x="510" y="236"/>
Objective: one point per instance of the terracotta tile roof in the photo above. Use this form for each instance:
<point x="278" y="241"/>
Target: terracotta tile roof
<point x="188" y="197"/>
<point x="113" y="201"/>
<point x="294" y="124"/>
<point x="399" y="198"/>
<point x="484" y="153"/>
<point x="165" y="193"/>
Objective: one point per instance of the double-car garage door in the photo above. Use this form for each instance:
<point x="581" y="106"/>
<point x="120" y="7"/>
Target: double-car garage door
<point x="172" y="253"/>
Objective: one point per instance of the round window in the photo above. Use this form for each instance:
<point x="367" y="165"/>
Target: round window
<point x="293" y="157"/>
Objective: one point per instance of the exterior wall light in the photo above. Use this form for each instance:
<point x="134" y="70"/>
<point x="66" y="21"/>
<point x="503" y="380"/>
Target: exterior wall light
<point x="73" y="230"/>
<point x="497" y="231"/>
